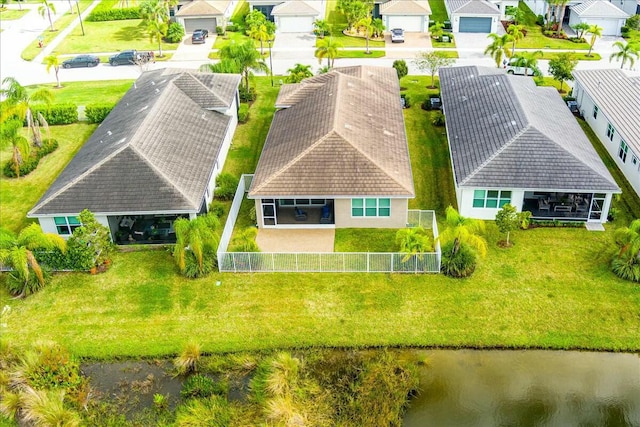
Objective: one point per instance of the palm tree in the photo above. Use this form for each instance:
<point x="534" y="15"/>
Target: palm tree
<point x="298" y="73"/>
<point x="498" y="47"/>
<point x="515" y="31"/>
<point x="10" y="136"/>
<point x="626" y="52"/>
<point x="321" y="27"/>
<point x="18" y="104"/>
<point x="157" y="30"/>
<point x="436" y="30"/>
<point x="197" y="235"/>
<point x="47" y="7"/>
<point x="241" y="58"/>
<point x="16" y="252"/>
<point x="626" y="263"/>
<point x="595" y="31"/>
<point x="365" y="25"/>
<point x="528" y="60"/>
<point x="560" y="10"/>
<point x="378" y="27"/>
<point x="328" y="48"/>
<point x="462" y="230"/>
<point x="413" y="241"/>
<point x="154" y="10"/>
<point x="260" y="33"/>
<point x="53" y="61"/>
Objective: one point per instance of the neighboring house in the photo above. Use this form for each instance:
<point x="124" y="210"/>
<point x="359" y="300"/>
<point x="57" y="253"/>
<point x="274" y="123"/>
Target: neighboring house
<point x="153" y="159"/>
<point x="293" y="16"/>
<point x="410" y="15"/>
<point x="601" y="13"/>
<point x="207" y="14"/>
<point x="473" y="16"/>
<point x="539" y="7"/>
<point x="514" y="142"/>
<point x="336" y="154"/>
<point x="609" y="100"/>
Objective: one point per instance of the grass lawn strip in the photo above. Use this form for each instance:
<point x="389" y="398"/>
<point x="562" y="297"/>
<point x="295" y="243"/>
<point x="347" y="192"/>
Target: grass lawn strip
<point x="580" y="56"/>
<point x="232" y="36"/>
<point x="83" y="93"/>
<point x="12" y="14"/>
<point x="438" y="11"/>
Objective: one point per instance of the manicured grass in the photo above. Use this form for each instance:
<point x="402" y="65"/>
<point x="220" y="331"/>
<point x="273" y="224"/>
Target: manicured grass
<point x="63" y="22"/>
<point x="110" y="36"/>
<point x="83" y="93"/>
<point x="535" y="39"/>
<point x="449" y="53"/>
<point x="365" y="240"/>
<point x="581" y="56"/>
<point x="437" y="44"/>
<point x="336" y="20"/>
<point x="361" y="54"/>
<point x="236" y="37"/>
<point x="19" y="195"/>
<point x="550" y="81"/>
<point x="241" y="10"/>
<point x="438" y="11"/>
<point x="12" y="14"/>
<point x="349" y="41"/>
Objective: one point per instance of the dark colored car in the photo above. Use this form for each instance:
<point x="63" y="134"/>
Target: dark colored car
<point x="127" y="57"/>
<point x="81" y="61"/>
<point x="198" y="36"/>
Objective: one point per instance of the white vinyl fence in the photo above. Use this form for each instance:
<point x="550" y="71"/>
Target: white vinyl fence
<point x="333" y="262"/>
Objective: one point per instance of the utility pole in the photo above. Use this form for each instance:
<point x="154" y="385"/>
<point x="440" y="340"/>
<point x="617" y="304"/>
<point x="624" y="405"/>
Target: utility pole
<point x="80" y="17"/>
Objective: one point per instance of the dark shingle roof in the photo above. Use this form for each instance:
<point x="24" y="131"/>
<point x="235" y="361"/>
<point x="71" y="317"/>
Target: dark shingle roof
<point x="344" y="137"/>
<point x="154" y="152"/>
<point x="506" y="132"/>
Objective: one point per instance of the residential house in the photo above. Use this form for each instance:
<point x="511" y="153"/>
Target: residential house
<point x="206" y="14"/>
<point x="539" y="7"/>
<point x="601" y="13"/>
<point x="153" y="159"/>
<point x="293" y="16"/>
<point x="475" y="16"/>
<point x="336" y="154"/>
<point x="410" y="15"/>
<point x="609" y="100"/>
<point x="513" y="142"/>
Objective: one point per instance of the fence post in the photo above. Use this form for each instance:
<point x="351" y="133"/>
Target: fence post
<point x="391" y="263"/>
<point x="273" y="262"/>
<point x="233" y="257"/>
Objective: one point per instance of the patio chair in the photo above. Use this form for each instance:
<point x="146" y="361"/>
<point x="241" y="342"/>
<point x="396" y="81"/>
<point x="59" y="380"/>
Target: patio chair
<point x="326" y="217"/>
<point x="300" y="214"/>
<point x="544" y="205"/>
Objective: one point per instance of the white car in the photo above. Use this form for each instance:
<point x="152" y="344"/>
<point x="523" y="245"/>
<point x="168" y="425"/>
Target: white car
<point x="397" y="35"/>
<point x="513" y="69"/>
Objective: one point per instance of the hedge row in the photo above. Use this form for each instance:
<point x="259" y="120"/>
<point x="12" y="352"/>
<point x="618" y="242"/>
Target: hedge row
<point x="96" y="113"/>
<point x="106" y="12"/>
<point x="57" y="114"/>
<point x="29" y="164"/>
<point x="77" y="257"/>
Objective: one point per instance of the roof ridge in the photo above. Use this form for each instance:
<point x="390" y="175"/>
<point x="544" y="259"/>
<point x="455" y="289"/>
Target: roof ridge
<point x="192" y="76"/>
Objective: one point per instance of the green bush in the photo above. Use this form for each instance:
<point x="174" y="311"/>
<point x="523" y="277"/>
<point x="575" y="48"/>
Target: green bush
<point x="401" y="67"/>
<point x="438" y="119"/>
<point x="57" y="114"/>
<point x="226" y="185"/>
<point x="175" y="33"/>
<point x="200" y="386"/>
<point x="540" y="20"/>
<point x="30" y="163"/>
<point x="217" y="208"/>
<point x="247" y="95"/>
<point x="243" y="113"/>
<point x="460" y="263"/>
<point x="633" y="23"/>
<point x="220" y="30"/>
<point x="192" y="269"/>
<point x="234" y="28"/>
<point x="106" y="12"/>
<point x="96" y="113"/>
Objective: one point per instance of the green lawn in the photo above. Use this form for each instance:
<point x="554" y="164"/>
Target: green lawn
<point x="336" y="20"/>
<point x="12" y="14"/>
<point x="63" y="22"/>
<point x="581" y="56"/>
<point x="438" y="11"/>
<point x="241" y="10"/>
<point x="536" y="40"/>
<point x="360" y="54"/>
<point x="19" y="195"/>
<point x="365" y="240"/>
<point x="348" y="41"/>
<point x="110" y="36"/>
<point x="83" y="93"/>
<point x="449" y="53"/>
<point x="237" y="37"/>
<point x="437" y="44"/>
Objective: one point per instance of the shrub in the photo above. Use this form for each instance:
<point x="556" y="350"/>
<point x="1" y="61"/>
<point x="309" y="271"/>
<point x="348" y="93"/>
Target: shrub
<point x="233" y="28"/>
<point x="96" y="113"/>
<point x="17" y="286"/>
<point x="577" y="40"/>
<point x="540" y="20"/>
<point x="226" y="185"/>
<point x="106" y="12"/>
<point x="217" y="208"/>
<point x="626" y="267"/>
<point x="175" y="33"/>
<point x="188" y="360"/>
<point x="438" y="119"/>
<point x="192" y="270"/>
<point x="212" y="412"/>
<point x="406" y="103"/>
<point x="57" y="114"/>
<point x="243" y="113"/>
<point x="460" y="263"/>
<point x="200" y="386"/>
<point x="249" y="95"/>
<point x="220" y="30"/>
<point x="31" y="163"/>
<point x="633" y="23"/>
<point x="401" y="67"/>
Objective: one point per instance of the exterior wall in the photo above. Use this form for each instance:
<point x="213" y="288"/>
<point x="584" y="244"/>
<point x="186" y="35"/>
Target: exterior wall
<point x="455" y="21"/>
<point x="599" y="125"/>
<point x="610" y="27"/>
<point x="48" y="224"/>
<point x="502" y="5"/>
<point x="343" y="218"/>
<point x="390" y="22"/>
<point x="465" y="203"/>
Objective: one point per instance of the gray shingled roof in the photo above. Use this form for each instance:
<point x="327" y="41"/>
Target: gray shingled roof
<point x="472" y="7"/>
<point x="504" y="132"/>
<point x="154" y="152"/>
<point x="598" y="9"/>
<point x="345" y="137"/>
<point x="617" y="94"/>
<point x="297" y="7"/>
<point x="405" y="7"/>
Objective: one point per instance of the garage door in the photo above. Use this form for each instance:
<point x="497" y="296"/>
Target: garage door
<point x="609" y="26"/>
<point x="295" y="24"/>
<point x="191" y="24"/>
<point x="475" y="25"/>
<point x="407" y="23"/>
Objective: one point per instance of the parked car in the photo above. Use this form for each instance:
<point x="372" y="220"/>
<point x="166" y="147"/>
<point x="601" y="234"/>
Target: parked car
<point x="397" y="35"/>
<point x="81" y="61"/>
<point x="198" y="36"/>
<point x="513" y="69"/>
<point x="127" y="57"/>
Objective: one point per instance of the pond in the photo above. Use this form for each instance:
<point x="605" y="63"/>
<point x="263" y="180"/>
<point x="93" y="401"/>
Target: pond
<point x="526" y="388"/>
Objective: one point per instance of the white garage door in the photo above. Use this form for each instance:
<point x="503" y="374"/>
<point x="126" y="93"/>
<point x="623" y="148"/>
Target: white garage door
<point x="609" y="26"/>
<point x="407" y="23"/>
<point x="191" y="24"/>
<point x="295" y="24"/>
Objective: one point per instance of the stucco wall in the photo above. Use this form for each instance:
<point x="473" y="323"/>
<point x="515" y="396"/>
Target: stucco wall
<point x="465" y="204"/>
<point x="48" y="224"/>
<point x="224" y="150"/>
<point x="343" y="218"/>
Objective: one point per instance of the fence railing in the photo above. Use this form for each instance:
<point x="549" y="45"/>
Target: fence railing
<point x="326" y="262"/>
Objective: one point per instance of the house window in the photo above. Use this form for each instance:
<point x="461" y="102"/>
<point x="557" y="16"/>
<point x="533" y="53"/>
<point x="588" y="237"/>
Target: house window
<point x="595" y="111"/>
<point x="66" y="224"/>
<point x="610" y="131"/>
<point x="622" y="152"/>
<point x="491" y="198"/>
<point x="371" y="207"/>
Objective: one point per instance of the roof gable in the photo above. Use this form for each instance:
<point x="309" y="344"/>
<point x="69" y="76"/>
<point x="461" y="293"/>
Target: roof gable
<point x="404" y="7"/>
<point x="297" y="7"/>
<point x="472" y="7"/>
<point x="598" y="9"/>
<point x="204" y="8"/>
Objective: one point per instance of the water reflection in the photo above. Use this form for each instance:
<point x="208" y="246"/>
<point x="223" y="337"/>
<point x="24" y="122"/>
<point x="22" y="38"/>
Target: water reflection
<point x="527" y="388"/>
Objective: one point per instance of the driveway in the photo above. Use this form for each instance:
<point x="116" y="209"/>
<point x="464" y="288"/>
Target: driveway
<point x="413" y="42"/>
<point x="299" y="46"/>
<point x="188" y="51"/>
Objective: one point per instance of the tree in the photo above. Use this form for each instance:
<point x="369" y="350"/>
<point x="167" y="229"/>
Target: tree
<point x="626" y="52"/>
<point x="91" y="234"/>
<point x="354" y="10"/>
<point x="626" y="261"/>
<point x="560" y="10"/>
<point x="155" y="15"/>
<point x="240" y="58"/>
<point x="437" y="30"/>
<point x="431" y="62"/>
<point x="462" y="230"/>
<point x="365" y="25"/>
<point x="253" y="19"/>
<point x="507" y="220"/>
<point x="198" y="237"/>
<point x="413" y="241"/>
<point x="321" y="27"/>
<point x="378" y="27"/>
<point x="562" y="66"/>
<point x="595" y="32"/>
<point x="328" y="48"/>
<point x="10" y="136"/>
<point x="528" y="60"/>
<point x="515" y="31"/>
<point x="17" y="253"/>
<point x="401" y="68"/>
<point x="516" y="13"/>
<point x="18" y="103"/>
<point x="157" y="30"/>
<point x="263" y="32"/>
<point x="47" y="7"/>
<point x="298" y="73"/>
<point x="580" y="28"/>
<point x="498" y="47"/>
<point x="52" y="61"/>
